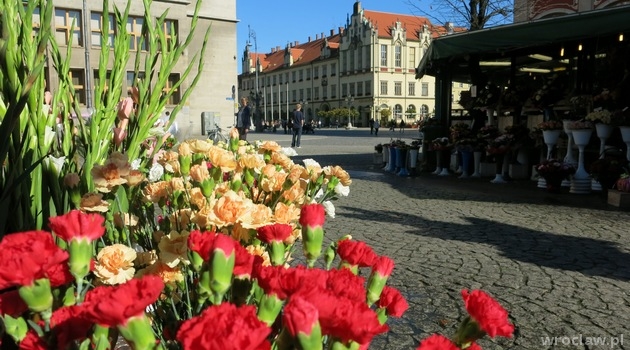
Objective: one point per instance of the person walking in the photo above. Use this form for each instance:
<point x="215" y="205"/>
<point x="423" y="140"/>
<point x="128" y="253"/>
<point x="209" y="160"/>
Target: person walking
<point x="243" y="119"/>
<point x="376" y="125"/>
<point x="402" y="125"/>
<point x="298" y="123"/>
<point x="371" y="122"/>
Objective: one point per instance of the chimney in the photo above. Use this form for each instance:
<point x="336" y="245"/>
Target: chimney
<point x="332" y="32"/>
<point x="322" y="36"/>
<point x="340" y="30"/>
<point x="449" y="27"/>
<point x="277" y="48"/>
<point x="296" y="43"/>
<point x="309" y="39"/>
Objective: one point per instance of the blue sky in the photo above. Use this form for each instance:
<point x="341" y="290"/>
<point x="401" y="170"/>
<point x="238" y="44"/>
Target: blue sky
<point x="277" y="22"/>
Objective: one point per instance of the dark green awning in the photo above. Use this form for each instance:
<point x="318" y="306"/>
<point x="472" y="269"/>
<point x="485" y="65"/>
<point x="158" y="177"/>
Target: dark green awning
<point x="523" y="38"/>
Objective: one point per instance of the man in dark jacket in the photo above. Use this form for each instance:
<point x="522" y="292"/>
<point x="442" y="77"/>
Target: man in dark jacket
<point x="243" y="119"/>
<point x="298" y="123"/>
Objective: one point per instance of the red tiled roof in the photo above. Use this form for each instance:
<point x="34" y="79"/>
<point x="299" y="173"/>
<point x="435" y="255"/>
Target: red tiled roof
<point x="384" y="21"/>
<point x="302" y="54"/>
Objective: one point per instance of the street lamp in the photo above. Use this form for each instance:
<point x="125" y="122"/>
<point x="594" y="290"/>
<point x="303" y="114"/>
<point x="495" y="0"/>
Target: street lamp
<point x="349" y="100"/>
<point x="252" y="35"/>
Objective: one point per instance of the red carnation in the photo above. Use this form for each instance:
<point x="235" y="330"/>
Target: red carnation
<point x="313" y="215"/>
<point x="346" y="284"/>
<point x="343" y="318"/>
<point x="269" y="278"/>
<point x="32" y="341"/>
<point x="488" y="313"/>
<point x="474" y="346"/>
<point x="69" y="325"/>
<point x="243" y="262"/>
<point x="78" y="225"/>
<point x="224" y="244"/>
<point x="274" y="233"/>
<point x="28" y="256"/>
<point x="113" y="306"/>
<point x="437" y="342"/>
<point x="201" y="243"/>
<point x="393" y="301"/>
<point x="12" y="304"/>
<point x="383" y="266"/>
<point x="356" y="253"/>
<point x="300" y="316"/>
<point x="225" y="327"/>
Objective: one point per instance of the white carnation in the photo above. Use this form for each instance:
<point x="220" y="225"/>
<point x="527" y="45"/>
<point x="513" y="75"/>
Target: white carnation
<point x="329" y="208"/>
<point x="135" y="165"/>
<point x="310" y="162"/>
<point x="156" y="172"/>
<point x="342" y="190"/>
<point x="288" y="151"/>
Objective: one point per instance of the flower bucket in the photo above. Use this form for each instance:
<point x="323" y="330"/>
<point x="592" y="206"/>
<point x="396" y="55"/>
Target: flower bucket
<point x="551" y="136"/>
<point x="603" y="130"/>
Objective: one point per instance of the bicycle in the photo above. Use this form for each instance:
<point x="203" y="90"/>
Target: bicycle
<point x="217" y="135"/>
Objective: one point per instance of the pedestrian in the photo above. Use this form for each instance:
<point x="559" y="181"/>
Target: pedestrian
<point x="284" y="125"/>
<point x="402" y="125"/>
<point x="243" y="119"/>
<point x="298" y="123"/>
<point x="337" y="124"/>
<point x="376" y="125"/>
<point x="371" y="122"/>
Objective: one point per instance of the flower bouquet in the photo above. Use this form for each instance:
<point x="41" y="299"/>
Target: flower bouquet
<point x="554" y="172"/>
<point x="440" y="144"/>
<point x="500" y="145"/>
<point x="549" y="125"/>
<point x="581" y="125"/>
<point x="378" y="148"/>
<point x="428" y="122"/>
<point x="600" y="116"/>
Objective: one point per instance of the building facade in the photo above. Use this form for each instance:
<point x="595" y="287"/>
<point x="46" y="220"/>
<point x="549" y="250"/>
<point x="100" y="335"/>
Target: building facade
<point x="529" y="10"/>
<point x="78" y="24"/>
<point x="368" y="65"/>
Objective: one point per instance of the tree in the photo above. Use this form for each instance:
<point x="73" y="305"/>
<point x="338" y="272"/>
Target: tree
<point x="470" y="14"/>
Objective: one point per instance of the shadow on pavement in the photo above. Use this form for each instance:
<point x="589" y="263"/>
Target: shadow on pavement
<point x="585" y="255"/>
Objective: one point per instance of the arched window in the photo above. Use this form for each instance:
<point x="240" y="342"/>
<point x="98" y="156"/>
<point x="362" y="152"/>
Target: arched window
<point x="411" y="111"/>
<point x="398" y="111"/>
<point x="424" y="112"/>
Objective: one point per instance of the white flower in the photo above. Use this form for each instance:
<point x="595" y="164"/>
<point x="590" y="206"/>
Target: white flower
<point x="319" y="194"/>
<point x="311" y="163"/>
<point x="329" y="208"/>
<point x="156" y="172"/>
<point x="49" y="136"/>
<point x="56" y="163"/>
<point x="288" y="151"/>
<point x="342" y="190"/>
<point x="135" y="165"/>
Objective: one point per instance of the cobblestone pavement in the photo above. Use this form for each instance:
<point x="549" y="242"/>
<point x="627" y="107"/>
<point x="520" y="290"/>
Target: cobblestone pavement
<point x="559" y="263"/>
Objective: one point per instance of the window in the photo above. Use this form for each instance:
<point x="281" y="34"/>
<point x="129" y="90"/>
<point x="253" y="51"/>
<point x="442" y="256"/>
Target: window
<point x="398" y="55"/>
<point x="344" y="90"/>
<point x="368" y="88"/>
<point x="425" y="89"/>
<point x="324" y="71"/>
<point x="301" y="74"/>
<point x="175" y="98"/>
<point x="97" y="79"/>
<point x="96" y="27"/>
<point x="294" y="94"/>
<point x="286" y="77"/>
<point x="412" y="57"/>
<point x="333" y="91"/>
<point x="352" y="93"/>
<point x="316" y="92"/>
<point x="316" y="73"/>
<point x="170" y="32"/>
<point x="134" y="29"/>
<point x="412" y="89"/>
<point x="36" y="21"/>
<point x="424" y="110"/>
<point x="383" y="87"/>
<point x="411" y="111"/>
<point x="308" y="94"/>
<point x="68" y="27"/>
<point x="344" y="62"/>
<point x="293" y="75"/>
<point x="301" y="94"/>
<point x="308" y="74"/>
<point x="351" y="59"/>
<point x="398" y="111"/>
<point x="333" y="69"/>
<point x="77" y="76"/>
<point x="274" y="80"/>
<point x="360" y="88"/>
<point x="131" y="77"/>
<point x="360" y="57"/>
<point x="384" y="55"/>
<point x="398" y="88"/>
<point x="325" y="91"/>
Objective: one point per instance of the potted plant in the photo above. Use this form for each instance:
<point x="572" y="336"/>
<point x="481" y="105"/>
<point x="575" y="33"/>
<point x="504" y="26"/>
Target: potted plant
<point x="554" y="172"/>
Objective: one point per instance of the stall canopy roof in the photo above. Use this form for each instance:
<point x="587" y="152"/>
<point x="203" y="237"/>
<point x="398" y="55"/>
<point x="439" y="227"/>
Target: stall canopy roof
<point x="507" y="40"/>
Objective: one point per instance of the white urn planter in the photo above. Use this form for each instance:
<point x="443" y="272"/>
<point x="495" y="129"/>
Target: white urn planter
<point x="581" y="181"/>
<point x="550" y="137"/>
